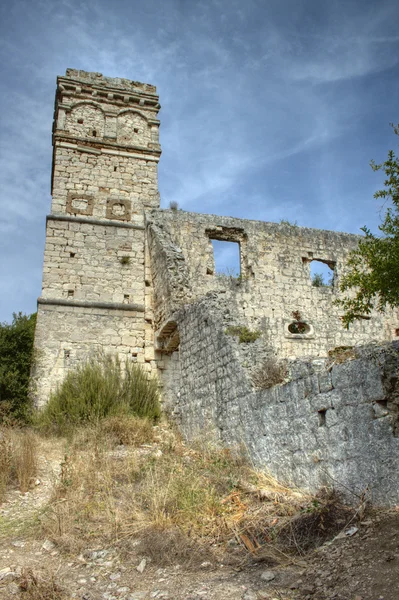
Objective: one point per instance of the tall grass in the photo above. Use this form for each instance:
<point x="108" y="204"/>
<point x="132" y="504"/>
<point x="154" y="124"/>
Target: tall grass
<point x="101" y="387"/>
<point x="18" y="459"/>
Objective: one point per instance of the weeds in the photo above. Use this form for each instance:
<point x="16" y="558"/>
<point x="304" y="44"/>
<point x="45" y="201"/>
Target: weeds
<point x="244" y="334"/>
<point x="97" y="389"/>
<point x="340" y="354"/>
<point x="25" y="459"/>
<point x="6" y="457"/>
<point x="183" y="503"/>
<point x="40" y="587"/>
<point x="126" y="430"/>
<point x="288" y="223"/>
<point x="270" y="373"/>
<point x="18" y="459"/>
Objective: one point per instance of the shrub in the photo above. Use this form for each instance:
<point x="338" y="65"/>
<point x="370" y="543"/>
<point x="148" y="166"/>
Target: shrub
<point x="16" y="353"/>
<point x="244" y="334"/>
<point x="270" y="373"/>
<point x="100" y="388"/>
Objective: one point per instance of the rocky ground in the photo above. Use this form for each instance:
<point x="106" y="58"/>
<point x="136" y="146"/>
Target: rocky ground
<point x="361" y="563"/>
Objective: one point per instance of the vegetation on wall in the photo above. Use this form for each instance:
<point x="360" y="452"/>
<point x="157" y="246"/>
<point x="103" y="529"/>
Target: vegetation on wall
<point x="271" y="372"/>
<point x="16" y="355"/>
<point x="244" y="334"/>
<point x="373" y="275"/>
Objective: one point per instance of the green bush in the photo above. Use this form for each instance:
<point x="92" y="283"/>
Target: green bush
<point x="245" y="335"/>
<point x="99" y="388"/>
<point x="16" y="354"/>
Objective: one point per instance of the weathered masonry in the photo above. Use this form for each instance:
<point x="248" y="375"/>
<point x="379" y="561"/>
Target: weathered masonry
<point x="96" y="274"/>
<point x="123" y="276"/>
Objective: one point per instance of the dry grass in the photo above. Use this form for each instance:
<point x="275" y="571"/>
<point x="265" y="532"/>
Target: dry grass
<point x="270" y="373"/>
<point x="339" y="355"/>
<point x="127" y="430"/>
<point x="178" y="500"/>
<point x="33" y="586"/>
<point x="18" y="459"/>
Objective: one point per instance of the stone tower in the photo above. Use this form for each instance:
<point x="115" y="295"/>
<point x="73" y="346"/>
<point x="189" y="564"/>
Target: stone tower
<point x="96" y="287"/>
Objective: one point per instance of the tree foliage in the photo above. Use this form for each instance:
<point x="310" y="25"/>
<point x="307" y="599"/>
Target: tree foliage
<point x="373" y="267"/>
<point x="16" y="354"/>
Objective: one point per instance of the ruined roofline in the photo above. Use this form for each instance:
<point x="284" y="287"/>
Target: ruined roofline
<point x="223" y="221"/>
<point x="98" y="80"/>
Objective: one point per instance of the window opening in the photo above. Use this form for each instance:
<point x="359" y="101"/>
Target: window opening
<point x="71" y="293"/>
<point x="322" y="273"/>
<point x="227" y="258"/>
<point x="72" y="254"/>
<point x="80" y="121"/>
<point x="94" y="133"/>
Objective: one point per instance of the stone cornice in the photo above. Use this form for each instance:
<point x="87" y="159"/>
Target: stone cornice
<point x="105" y="147"/>
<point x="88" y="304"/>
<point x="90" y="221"/>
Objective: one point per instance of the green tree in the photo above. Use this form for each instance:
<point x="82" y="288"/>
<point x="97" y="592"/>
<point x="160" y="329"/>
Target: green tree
<point x="373" y="267"/>
<point x="16" y="354"/>
<point x="318" y="280"/>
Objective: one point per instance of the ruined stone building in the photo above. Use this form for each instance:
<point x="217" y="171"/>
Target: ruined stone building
<point x="123" y="276"/>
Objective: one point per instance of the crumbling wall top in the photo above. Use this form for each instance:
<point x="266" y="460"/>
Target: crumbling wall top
<point x="98" y="79"/>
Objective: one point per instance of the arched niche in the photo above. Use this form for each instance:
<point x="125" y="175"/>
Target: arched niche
<point x="85" y="121"/>
<point x="133" y="129"/>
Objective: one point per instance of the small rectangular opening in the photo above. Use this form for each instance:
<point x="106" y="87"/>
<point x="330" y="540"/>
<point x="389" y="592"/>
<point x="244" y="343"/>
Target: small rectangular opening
<point x="71" y="293"/>
<point x="322" y="417"/>
<point x="72" y="254"/>
<point x="227" y="258"/>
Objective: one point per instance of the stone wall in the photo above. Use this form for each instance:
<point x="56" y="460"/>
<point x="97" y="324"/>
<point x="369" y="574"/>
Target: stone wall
<point x="67" y="334"/>
<point x="103" y="186"/>
<point x="91" y="261"/>
<point x="274" y="282"/>
<point x="332" y="425"/>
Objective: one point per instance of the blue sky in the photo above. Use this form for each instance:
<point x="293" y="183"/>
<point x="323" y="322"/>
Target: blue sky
<point x="270" y="109"/>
